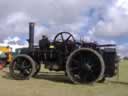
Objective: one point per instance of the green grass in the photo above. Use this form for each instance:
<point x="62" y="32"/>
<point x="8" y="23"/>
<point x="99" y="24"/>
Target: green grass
<point x="123" y="71"/>
<point x="58" y="85"/>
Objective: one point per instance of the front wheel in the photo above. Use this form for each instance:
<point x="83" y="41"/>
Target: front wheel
<point x="22" y="67"/>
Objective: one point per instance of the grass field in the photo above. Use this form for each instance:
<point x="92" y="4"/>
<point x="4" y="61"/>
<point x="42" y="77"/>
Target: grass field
<point x="53" y="84"/>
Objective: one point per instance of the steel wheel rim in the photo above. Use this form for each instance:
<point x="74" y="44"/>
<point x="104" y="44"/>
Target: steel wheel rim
<point x="76" y="79"/>
<point x="24" y="68"/>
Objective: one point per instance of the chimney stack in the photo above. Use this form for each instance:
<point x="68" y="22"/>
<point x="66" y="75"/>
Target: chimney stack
<point x="31" y="34"/>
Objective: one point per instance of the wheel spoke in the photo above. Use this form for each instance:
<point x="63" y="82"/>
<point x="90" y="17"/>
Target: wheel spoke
<point x="68" y="38"/>
<point x="27" y="72"/>
<point x="62" y="38"/>
<point x="27" y="66"/>
<point x="22" y="67"/>
<point x="90" y="75"/>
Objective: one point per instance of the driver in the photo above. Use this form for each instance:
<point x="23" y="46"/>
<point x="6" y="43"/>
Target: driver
<point x="44" y="42"/>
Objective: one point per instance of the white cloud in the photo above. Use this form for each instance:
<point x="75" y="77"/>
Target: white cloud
<point x="123" y="49"/>
<point x="53" y="16"/>
<point x="60" y="15"/>
<point x="14" y="43"/>
<point x="115" y="21"/>
<point x="15" y="40"/>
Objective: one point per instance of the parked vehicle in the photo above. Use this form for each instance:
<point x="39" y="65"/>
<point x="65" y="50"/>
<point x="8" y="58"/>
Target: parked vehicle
<point x="82" y="62"/>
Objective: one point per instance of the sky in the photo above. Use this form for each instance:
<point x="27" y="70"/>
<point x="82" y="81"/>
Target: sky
<point x="104" y="21"/>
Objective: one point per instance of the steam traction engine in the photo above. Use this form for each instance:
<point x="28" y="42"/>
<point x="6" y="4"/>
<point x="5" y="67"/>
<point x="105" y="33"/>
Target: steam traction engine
<point x="81" y="61"/>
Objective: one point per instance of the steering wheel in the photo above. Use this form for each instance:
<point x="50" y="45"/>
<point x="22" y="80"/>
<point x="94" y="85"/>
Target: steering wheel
<point x="64" y="38"/>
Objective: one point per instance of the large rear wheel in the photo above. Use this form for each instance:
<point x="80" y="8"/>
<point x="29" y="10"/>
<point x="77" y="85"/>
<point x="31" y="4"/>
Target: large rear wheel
<point x="22" y="67"/>
<point x="85" y="65"/>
